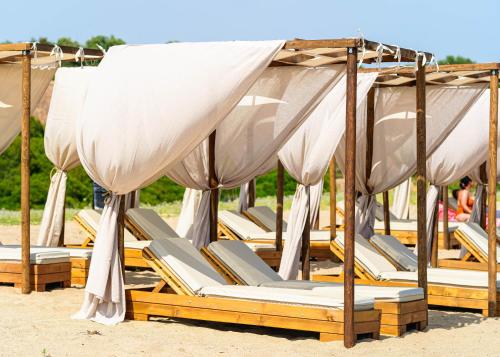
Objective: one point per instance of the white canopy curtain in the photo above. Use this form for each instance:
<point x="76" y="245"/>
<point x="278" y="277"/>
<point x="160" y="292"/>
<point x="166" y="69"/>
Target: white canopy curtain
<point x="60" y="146"/>
<point x="11" y="99"/>
<point x="248" y="139"/>
<point x="394" y="147"/>
<point x="465" y="149"/>
<point x="190" y="204"/>
<point x="146" y="108"/>
<point x="481" y="112"/>
<point x="306" y="157"/>
<point x="401" y="200"/>
<point x="245" y="195"/>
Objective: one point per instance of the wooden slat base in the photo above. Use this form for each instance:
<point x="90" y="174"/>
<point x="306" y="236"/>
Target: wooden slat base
<point x="328" y="323"/>
<point x="41" y="275"/>
<point x="398" y="318"/>
<point x="461" y="264"/>
<point x="410" y="238"/>
<point x="438" y="295"/>
<point x="79" y="271"/>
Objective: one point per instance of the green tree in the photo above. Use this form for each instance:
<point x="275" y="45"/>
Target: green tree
<point x="67" y="41"/>
<point x="42" y="40"/>
<point x="455" y="60"/>
<point x="104" y="41"/>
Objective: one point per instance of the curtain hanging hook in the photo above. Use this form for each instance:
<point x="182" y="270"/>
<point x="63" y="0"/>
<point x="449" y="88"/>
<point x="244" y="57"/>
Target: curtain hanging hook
<point x="101" y="48"/>
<point x="363" y="48"/>
<point x="80" y="56"/>
<point x="34" y="49"/>
<point x="57" y="52"/>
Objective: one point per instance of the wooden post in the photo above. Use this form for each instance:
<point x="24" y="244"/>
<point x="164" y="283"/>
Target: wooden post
<point x="25" y="172"/>
<point x="350" y="167"/>
<point x="280" y="178"/>
<point x="387" y="217"/>
<point x="251" y="193"/>
<point x="121" y="232"/>
<point x="214" y="190"/>
<point x="133" y="195"/>
<point x="333" y="201"/>
<point x="306" y="239"/>
<point x="60" y="243"/>
<point x="421" y="174"/>
<point x="446" y="233"/>
<point x="435" y="233"/>
<point x="484" y="179"/>
<point x="370" y="127"/>
<point x="492" y="191"/>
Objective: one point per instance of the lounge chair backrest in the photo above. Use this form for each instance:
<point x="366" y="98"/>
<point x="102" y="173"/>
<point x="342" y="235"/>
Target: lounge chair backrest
<point x="243" y="262"/>
<point x="478" y="237"/>
<point x="396" y="251"/>
<point x="266" y="216"/>
<point x="379" y="212"/>
<point x="92" y="218"/>
<point x="240" y="225"/>
<point x="186" y="262"/>
<point x="452" y="203"/>
<point x="368" y="256"/>
<point x="151" y="224"/>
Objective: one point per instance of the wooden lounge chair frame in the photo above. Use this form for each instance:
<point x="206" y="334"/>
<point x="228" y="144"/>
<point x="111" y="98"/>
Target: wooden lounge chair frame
<point x="438" y="294"/>
<point x="79" y="271"/>
<point x="171" y="298"/>
<point x="133" y="257"/>
<point x="474" y="259"/>
<point x="319" y="250"/>
<point x="41" y="274"/>
<point x="396" y="317"/>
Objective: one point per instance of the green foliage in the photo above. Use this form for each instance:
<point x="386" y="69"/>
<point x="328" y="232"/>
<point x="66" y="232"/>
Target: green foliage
<point x="103" y="41"/>
<point x="67" y="41"/>
<point x="42" y="40"/>
<point x="455" y="60"/>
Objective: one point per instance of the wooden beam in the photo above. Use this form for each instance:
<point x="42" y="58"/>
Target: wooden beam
<point x="306" y="239"/>
<point x="350" y="167"/>
<point x="23" y="46"/>
<point x="387" y="216"/>
<point x="492" y="191"/>
<point x="121" y="232"/>
<point x="251" y="193"/>
<point x="60" y="242"/>
<point x="435" y="233"/>
<point x="421" y="175"/>
<point x="25" y="171"/>
<point x="430" y="69"/>
<point x="327" y="43"/>
<point x="370" y="126"/>
<point x="333" y="200"/>
<point x="484" y="179"/>
<point x="214" y="190"/>
<point x="280" y="178"/>
<point x="446" y="233"/>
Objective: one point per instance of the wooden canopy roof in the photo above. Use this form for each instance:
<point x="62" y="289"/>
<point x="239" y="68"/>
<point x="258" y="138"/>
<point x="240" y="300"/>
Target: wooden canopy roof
<point x="312" y="53"/>
<point x="455" y="74"/>
<point x="41" y="53"/>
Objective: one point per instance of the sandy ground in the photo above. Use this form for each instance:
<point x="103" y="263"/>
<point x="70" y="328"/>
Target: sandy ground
<point x="40" y="325"/>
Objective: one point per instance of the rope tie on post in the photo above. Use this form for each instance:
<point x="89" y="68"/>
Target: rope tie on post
<point x="57" y="52"/>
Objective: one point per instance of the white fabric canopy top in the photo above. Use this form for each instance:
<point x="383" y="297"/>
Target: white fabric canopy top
<point x="394" y="143"/>
<point x="306" y="157"/>
<point x="146" y="108"/>
<point x="11" y="99"/>
<point x="60" y="145"/>
<point x="248" y="139"/>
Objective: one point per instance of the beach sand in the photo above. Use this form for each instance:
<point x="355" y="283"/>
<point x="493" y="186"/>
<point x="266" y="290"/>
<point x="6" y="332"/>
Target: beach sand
<point x="40" y="324"/>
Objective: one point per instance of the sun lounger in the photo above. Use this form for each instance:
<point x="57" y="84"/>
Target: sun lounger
<point x="47" y="267"/>
<point x="147" y="225"/>
<point x="78" y="257"/>
<point x="446" y="287"/>
<point x="89" y="221"/>
<point x="193" y="289"/>
<point x="401" y="307"/>
<point x="475" y="240"/>
<point x="233" y="225"/>
<point x="264" y="217"/>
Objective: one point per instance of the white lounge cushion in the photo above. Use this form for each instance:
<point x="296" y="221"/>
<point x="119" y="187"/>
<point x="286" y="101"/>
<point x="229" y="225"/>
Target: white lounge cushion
<point x="477" y="237"/>
<point x="37" y="256"/>
<point x="266" y="216"/>
<point x="260" y="247"/>
<point x="92" y="217"/>
<point x="288" y="296"/>
<point x="455" y="277"/>
<point x="139" y="244"/>
<point x="396" y="251"/>
<point x="240" y="225"/>
<point x="186" y="263"/>
<point x="379" y="293"/>
<point x="150" y="223"/>
<point x="244" y="263"/>
<point x="367" y="256"/>
<point x="84" y="253"/>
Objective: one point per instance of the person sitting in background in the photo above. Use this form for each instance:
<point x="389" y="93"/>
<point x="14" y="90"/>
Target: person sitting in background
<point x="465" y="200"/>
